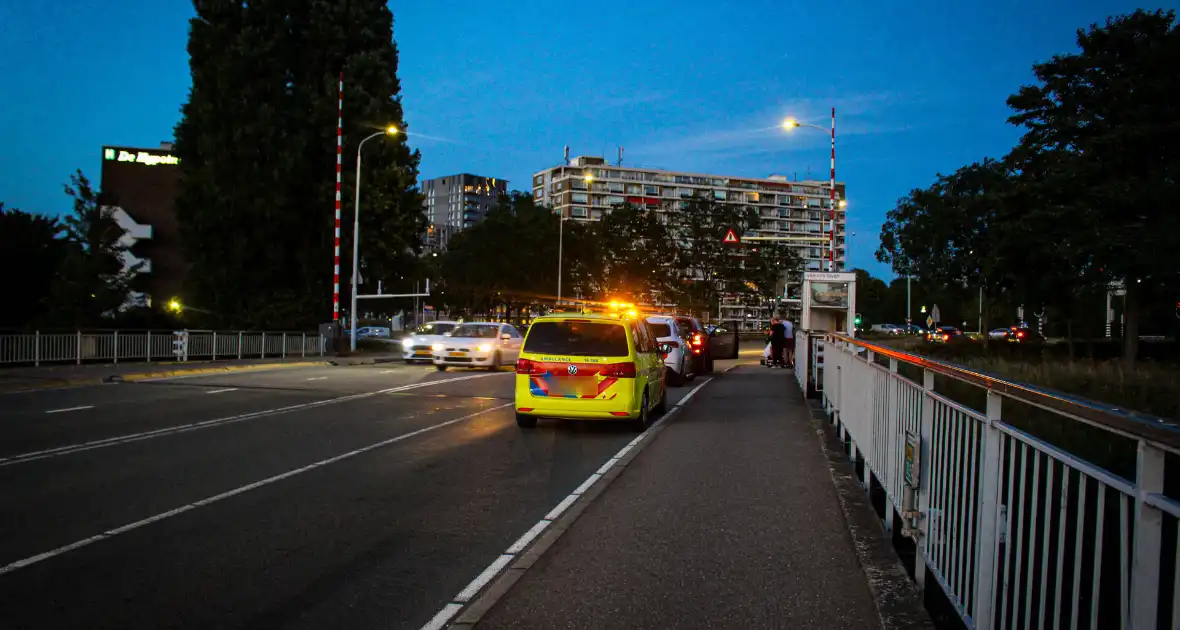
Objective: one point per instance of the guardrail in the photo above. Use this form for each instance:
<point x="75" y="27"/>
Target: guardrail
<point x="1017" y="531"/>
<point x="39" y="348"/>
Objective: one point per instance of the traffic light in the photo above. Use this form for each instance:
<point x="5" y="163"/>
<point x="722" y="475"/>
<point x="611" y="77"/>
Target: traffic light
<point x="858" y="319"/>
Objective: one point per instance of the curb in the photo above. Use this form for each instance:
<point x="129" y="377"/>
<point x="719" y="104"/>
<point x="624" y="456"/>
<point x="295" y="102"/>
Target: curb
<point x="898" y="601"/>
<point x="143" y="376"/>
<point x="474" y="612"/>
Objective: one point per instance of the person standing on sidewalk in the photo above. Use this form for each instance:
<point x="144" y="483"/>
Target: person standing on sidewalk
<point x="778" y="341"/>
<point x="789" y="342"/>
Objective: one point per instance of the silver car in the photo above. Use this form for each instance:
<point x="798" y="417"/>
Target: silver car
<point x="678" y="361"/>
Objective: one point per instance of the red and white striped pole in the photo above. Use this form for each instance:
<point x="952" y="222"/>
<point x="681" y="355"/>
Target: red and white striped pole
<point x="832" y="200"/>
<point x="339" y="152"/>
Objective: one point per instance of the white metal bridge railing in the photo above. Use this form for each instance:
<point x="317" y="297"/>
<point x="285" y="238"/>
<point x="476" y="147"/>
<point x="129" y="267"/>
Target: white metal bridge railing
<point x="1017" y="528"/>
<point x="38" y="348"/>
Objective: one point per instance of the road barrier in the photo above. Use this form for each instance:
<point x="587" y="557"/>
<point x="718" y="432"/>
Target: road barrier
<point x="78" y="347"/>
<point x="1015" y="525"/>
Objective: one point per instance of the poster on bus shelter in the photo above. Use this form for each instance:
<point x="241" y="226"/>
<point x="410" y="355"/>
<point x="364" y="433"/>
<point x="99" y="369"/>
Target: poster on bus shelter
<point x="829" y="295"/>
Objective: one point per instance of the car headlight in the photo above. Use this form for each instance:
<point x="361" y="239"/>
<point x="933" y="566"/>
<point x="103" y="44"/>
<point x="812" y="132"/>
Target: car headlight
<point x="437" y="347"/>
<point x="484" y="347"/>
<point x="406" y="343"/>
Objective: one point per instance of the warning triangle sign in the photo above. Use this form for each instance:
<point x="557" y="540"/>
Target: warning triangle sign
<point x="730" y="237"/>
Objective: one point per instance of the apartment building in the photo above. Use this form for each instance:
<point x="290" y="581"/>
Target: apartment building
<point x="798" y="212"/>
<point x="456" y="202"/>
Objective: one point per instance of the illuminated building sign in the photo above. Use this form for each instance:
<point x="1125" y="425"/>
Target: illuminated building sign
<point x="140" y="157"/>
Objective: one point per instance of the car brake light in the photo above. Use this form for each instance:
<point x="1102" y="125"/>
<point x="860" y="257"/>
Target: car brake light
<point x="618" y="370"/>
<point x="1020" y="334"/>
<point x="524" y="366"/>
<point x="696" y="339"/>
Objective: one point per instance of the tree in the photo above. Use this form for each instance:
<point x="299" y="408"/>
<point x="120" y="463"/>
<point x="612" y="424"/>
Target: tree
<point x="709" y="267"/>
<point x="768" y="268"/>
<point x="634" y="251"/>
<point x="257" y="144"/>
<point x="1101" y="144"/>
<point x="872" y="298"/>
<point x="92" y="282"/>
<point x="32" y="250"/>
<point x="958" y="232"/>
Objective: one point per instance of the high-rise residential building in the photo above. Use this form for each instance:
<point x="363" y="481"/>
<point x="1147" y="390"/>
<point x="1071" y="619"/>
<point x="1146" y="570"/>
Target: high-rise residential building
<point x="457" y="202"/>
<point x="798" y="212"/>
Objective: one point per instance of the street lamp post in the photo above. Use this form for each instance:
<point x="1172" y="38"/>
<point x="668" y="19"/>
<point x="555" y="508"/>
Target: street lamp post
<point x="561" y="236"/>
<point x="356" y="232"/>
<point x="791" y="123"/>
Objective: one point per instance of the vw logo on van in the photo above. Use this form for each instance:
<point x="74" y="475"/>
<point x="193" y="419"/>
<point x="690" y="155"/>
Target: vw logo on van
<point x="573" y="369"/>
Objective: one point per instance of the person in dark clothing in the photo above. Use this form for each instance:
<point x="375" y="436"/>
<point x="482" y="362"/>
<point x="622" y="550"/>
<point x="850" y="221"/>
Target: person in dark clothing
<point x="778" y="341"/>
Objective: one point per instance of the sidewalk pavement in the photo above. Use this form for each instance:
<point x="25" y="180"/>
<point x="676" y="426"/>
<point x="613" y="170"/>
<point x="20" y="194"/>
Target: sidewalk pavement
<point x="728" y="519"/>
<point x="14" y="379"/>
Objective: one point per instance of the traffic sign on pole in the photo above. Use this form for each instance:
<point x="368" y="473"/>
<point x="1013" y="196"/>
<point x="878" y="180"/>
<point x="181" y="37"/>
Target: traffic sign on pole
<point x="730" y="237"/>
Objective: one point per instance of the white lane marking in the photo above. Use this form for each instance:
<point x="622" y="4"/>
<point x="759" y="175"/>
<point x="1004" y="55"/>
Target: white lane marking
<point x="222" y="390"/>
<point x="110" y="533"/>
<point x="440" y="620"/>
<point x="317" y="378"/>
<point x="452" y="608"/>
<point x="586" y="484"/>
<point x="147" y="435"/>
<point x="607" y="466"/>
<point x="483" y="578"/>
<point x="692" y="393"/>
<point x="70" y="409"/>
<point x="561" y="507"/>
<point x="528" y="536"/>
<point x="387" y="371"/>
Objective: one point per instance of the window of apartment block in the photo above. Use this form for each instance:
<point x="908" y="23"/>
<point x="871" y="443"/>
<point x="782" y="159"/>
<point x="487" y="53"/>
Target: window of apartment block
<point x="613" y="200"/>
<point x="615" y="187"/>
<point x="538" y="193"/>
<point x="580" y="197"/>
<point x="578" y="212"/>
<point x="634" y="189"/>
<point x="752" y="197"/>
<point x="538" y="180"/>
<point x="653" y="191"/>
<point x="719" y="194"/>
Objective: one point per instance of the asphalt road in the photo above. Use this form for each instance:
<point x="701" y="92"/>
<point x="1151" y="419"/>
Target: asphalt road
<point x="351" y="497"/>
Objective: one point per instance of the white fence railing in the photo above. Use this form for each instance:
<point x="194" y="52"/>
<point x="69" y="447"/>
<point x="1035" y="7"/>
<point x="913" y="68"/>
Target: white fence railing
<point x="1018" y="532"/>
<point x="40" y="348"/>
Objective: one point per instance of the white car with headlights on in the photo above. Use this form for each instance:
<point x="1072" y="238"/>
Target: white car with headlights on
<point x="417" y="346"/>
<point x="478" y="344"/>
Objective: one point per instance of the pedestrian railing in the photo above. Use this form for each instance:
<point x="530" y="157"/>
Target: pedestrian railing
<point x="1029" y="508"/>
<point x="38" y="348"/>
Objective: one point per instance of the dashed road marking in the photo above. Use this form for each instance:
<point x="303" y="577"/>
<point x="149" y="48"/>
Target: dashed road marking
<point x="453" y="607"/>
<point x="222" y="390"/>
<point x="317" y="378"/>
<point x="79" y="408"/>
<point x="147" y="435"/>
<point x="110" y="533"/>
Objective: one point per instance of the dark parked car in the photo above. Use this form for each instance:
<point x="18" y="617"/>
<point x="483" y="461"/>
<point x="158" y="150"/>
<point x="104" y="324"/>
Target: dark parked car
<point x="698" y="343"/>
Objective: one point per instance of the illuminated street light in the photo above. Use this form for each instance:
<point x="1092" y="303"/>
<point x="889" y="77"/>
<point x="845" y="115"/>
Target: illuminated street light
<point x="356" y="228"/>
<point x="790" y="124"/>
<point x="175" y="306"/>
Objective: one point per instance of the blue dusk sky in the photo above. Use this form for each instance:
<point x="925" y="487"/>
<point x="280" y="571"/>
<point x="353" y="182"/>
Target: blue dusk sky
<point x="499" y="88"/>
